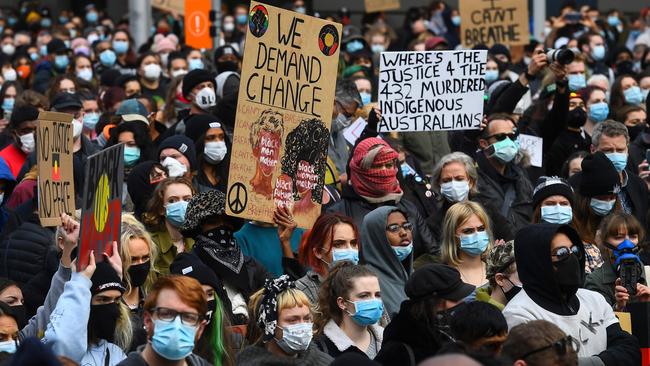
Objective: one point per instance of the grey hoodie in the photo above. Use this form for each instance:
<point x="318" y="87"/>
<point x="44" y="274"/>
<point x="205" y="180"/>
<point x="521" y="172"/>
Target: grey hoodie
<point x="377" y="253"/>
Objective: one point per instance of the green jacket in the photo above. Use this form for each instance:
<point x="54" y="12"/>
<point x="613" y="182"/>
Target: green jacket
<point x="167" y="250"/>
<point x="603" y="279"/>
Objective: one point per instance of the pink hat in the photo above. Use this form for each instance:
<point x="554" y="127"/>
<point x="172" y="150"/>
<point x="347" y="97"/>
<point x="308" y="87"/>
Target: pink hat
<point x="165" y="44"/>
<point x="78" y="42"/>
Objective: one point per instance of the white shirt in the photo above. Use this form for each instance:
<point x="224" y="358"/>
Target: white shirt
<point x="588" y="326"/>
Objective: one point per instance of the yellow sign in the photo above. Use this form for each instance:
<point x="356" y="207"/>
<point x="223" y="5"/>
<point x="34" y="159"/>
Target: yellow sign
<point x="169" y="5"/>
<point x="283" y="115"/>
<point x="494" y="21"/>
<point x="381" y="5"/>
<point x="626" y="321"/>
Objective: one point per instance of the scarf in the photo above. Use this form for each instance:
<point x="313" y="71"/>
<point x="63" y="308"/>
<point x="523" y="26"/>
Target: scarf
<point x="374" y="185"/>
<point x="220" y="245"/>
<point x="267" y="319"/>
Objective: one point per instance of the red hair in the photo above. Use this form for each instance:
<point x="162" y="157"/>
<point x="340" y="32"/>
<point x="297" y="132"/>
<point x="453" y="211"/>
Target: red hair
<point x="321" y="233"/>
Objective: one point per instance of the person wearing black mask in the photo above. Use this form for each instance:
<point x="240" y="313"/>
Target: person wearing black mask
<point x="226" y="58"/>
<point x="572" y="139"/>
<point x="639" y="146"/>
<point x="215" y="244"/>
<point x="550" y="261"/>
<point x="501" y="272"/>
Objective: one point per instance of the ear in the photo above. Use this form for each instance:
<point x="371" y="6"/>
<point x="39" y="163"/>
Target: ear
<point x="498" y="278"/>
<point x="148" y="323"/>
<point x="592" y="148"/>
<point x="200" y="329"/>
<point x="317" y="253"/>
<point x="483" y="144"/>
<point x="341" y="303"/>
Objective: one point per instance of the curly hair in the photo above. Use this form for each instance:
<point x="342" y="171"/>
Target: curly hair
<point x="154" y="219"/>
<point x="307" y="142"/>
<point x="269" y="120"/>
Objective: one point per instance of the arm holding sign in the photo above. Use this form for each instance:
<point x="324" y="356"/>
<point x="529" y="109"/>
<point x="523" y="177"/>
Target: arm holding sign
<point x="555" y="121"/>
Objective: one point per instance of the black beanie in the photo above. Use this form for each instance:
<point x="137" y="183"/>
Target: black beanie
<point x="194" y="78"/>
<point x="184" y="145"/>
<point x="105" y="278"/>
<point x="190" y="265"/>
<point x="22" y="114"/>
<point x="598" y="176"/>
<point x="199" y="124"/>
<point x="551" y="186"/>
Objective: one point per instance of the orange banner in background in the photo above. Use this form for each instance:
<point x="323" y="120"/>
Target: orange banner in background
<point x="197" y="24"/>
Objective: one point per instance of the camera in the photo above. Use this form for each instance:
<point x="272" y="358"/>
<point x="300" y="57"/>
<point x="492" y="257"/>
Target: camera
<point x="630" y="270"/>
<point x="563" y="56"/>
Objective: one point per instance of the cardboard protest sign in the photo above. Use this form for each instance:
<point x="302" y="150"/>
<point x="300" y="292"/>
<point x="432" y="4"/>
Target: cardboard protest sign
<point x="54" y="160"/>
<point x="431" y="91"/>
<point x="284" y="113"/>
<point x="381" y="5"/>
<point x="197" y="24"/>
<point x="101" y="206"/>
<point x="169" y="5"/>
<point x="533" y="145"/>
<point x="494" y="21"/>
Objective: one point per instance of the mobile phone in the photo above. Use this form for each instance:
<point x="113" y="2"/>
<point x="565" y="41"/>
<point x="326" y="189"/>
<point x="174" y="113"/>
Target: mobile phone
<point x="647" y="156"/>
<point x="573" y="17"/>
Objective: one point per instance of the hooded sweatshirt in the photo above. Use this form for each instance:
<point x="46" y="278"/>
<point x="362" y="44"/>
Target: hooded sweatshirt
<point x="377" y="253"/>
<point x="580" y="313"/>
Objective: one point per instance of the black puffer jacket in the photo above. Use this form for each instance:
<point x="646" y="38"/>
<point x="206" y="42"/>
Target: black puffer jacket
<point x="30" y="258"/>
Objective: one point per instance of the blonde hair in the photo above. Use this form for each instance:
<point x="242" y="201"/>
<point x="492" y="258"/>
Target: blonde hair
<point x="455" y="217"/>
<point x="133" y="229"/>
<point x="287" y="299"/>
<point x="123" y="328"/>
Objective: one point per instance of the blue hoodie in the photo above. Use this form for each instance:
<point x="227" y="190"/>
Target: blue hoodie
<point x="10" y="183"/>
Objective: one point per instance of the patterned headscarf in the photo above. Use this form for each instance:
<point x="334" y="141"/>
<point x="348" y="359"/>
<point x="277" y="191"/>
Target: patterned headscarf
<point x="268" y="311"/>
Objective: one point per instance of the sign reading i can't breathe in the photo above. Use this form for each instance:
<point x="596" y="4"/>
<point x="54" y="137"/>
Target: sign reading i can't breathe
<point x="494" y="21"/>
<point x="431" y="91"/>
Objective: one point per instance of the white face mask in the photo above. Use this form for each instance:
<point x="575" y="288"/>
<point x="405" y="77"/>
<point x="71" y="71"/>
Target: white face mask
<point x="27" y="143"/>
<point x="77" y="126"/>
<point x="164" y="57"/>
<point x="296" y="337"/>
<point x="179" y="72"/>
<point x="9" y="49"/>
<point x="206" y="98"/>
<point x="174" y="167"/>
<point x="228" y="27"/>
<point x="9" y="75"/>
<point x="85" y="74"/>
<point x="215" y="151"/>
<point x="152" y="71"/>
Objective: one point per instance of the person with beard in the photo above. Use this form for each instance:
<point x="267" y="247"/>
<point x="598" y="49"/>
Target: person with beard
<point x="174" y="320"/>
<point x="571" y="139"/>
<point x="213" y="146"/>
<point x="216" y="246"/>
<point x="417" y="332"/>
<point x="551" y="265"/>
<point x="136" y="251"/>
<point x="214" y="345"/>
<point x="90" y="324"/>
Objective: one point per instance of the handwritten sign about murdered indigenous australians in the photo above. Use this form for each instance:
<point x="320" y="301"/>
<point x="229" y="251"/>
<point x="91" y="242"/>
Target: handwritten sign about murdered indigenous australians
<point x="54" y="159"/>
<point x="283" y="115"/>
<point x="381" y="5"/>
<point x="494" y="21"/>
<point x="101" y="206"/>
<point x="431" y="91"/>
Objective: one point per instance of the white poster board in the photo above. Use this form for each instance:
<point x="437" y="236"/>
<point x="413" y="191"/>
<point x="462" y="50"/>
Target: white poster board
<point x="533" y="145"/>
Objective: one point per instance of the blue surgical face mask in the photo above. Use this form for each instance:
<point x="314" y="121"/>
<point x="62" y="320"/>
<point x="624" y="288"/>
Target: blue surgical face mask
<point x="455" y="20"/>
<point x="195" y="63"/>
<point x="173" y="340"/>
<point x="618" y="159"/>
<point x="455" y="190"/>
<point x="242" y="19"/>
<point x="474" y="244"/>
<point x="598" y="53"/>
<point x="351" y="255"/>
<point x="378" y="48"/>
<point x="61" y="61"/>
<point x="63" y="19"/>
<point x="598" y="112"/>
<point x="43" y="50"/>
<point x="90" y="120"/>
<point x="91" y="17"/>
<point x="366" y="98"/>
<point x="33" y="56"/>
<point x="131" y="155"/>
<point x="107" y="58"/>
<point x="491" y="75"/>
<point x="120" y="47"/>
<point x="505" y="150"/>
<point x="403" y="252"/>
<point x="46" y="22"/>
<point x="175" y="213"/>
<point x="8" y="104"/>
<point x="557" y="214"/>
<point x="613" y="21"/>
<point x="8" y="346"/>
<point x="633" y="95"/>
<point x="576" y="81"/>
<point x="600" y="207"/>
<point x="367" y="312"/>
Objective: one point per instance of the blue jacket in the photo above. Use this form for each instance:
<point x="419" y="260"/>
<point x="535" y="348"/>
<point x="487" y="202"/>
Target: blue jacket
<point x="10" y="183"/>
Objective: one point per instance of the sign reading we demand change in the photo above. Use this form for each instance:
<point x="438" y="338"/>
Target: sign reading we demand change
<point x="284" y="112"/>
<point x="431" y="91"/>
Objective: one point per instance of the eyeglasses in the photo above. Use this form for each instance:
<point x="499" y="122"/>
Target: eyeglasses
<point x="563" y="253"/>
<point x="169" y="315"/>
<point x="561" y="346"/>
<point x="502" y="136"/>
<point x="394" y="228"/>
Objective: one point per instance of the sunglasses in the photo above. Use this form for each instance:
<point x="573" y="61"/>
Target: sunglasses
<point x="502" y="136"/>
<point x="563" y="253"/>
<point x="560" y="347"/>
<point x="394" y="228"/>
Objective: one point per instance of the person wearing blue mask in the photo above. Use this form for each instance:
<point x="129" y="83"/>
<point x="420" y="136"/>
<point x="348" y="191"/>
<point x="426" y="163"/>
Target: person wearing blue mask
<point x="592" y="45"/>
<point x="596" y="196"/>
<point x="91" y="114"/>
<point x="466" y="236"/>
<point x="122" y="46"/>
<point x="595" y="101"/>
<point x="174" y="319"/>
<point x="364" y="86"/>
<point x="350" y="308"/>
<point x="332" y="238"/>
<point x="491" y="71"/>
<point x="576" y="74"/>
<point x="137" y="143"/>
<point x="612" y="139"/>
<point x="389" y="252"/>
<point x="625" y="90"/>
<point x="618" y="237"/>
<point x="241" y="17"/>
<point x="553" y="200"/>
<point x="56" y="63"/>
<point x="501" y="181"/>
